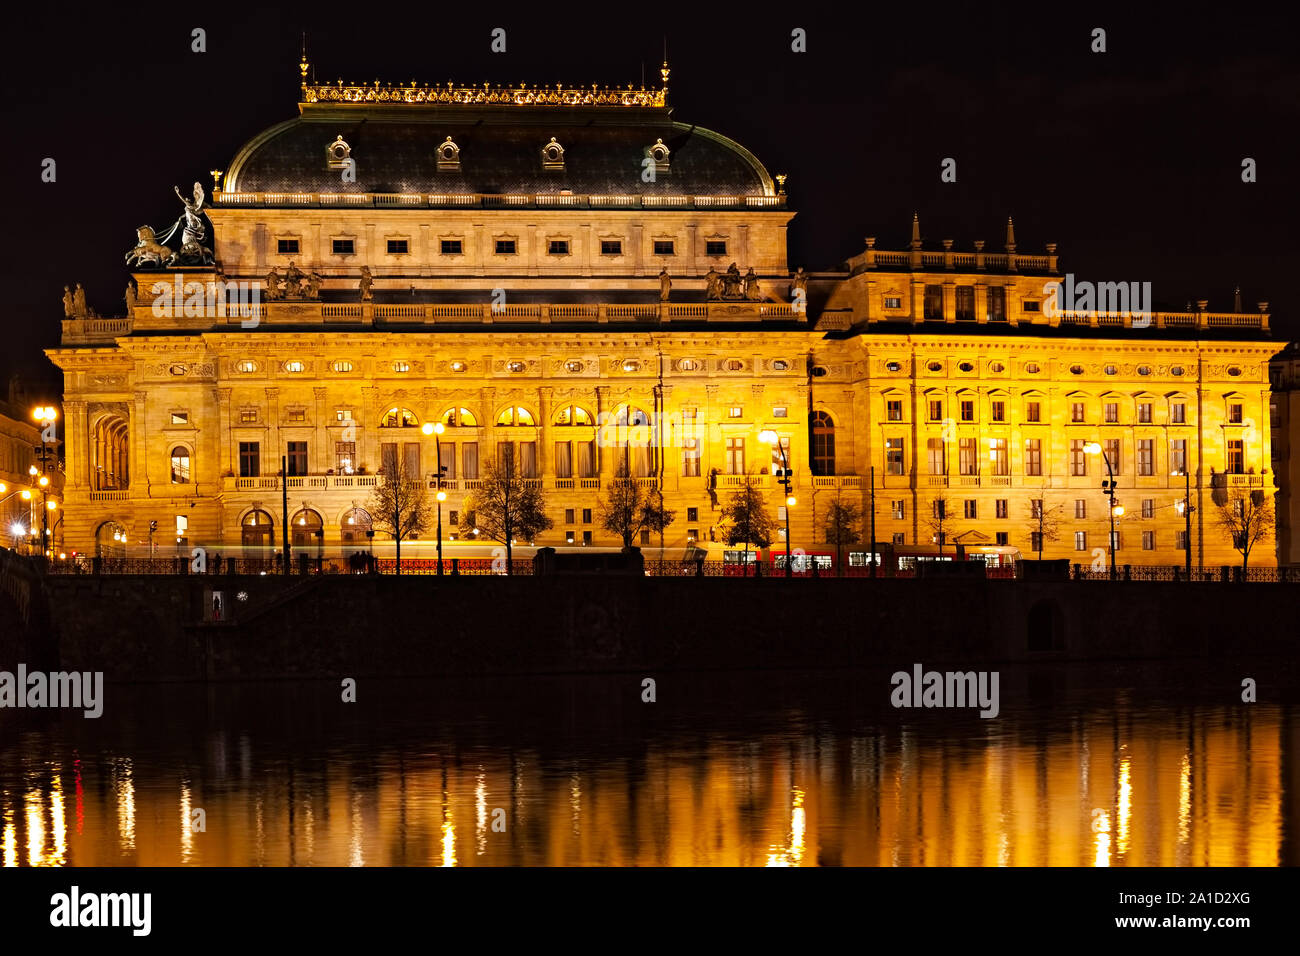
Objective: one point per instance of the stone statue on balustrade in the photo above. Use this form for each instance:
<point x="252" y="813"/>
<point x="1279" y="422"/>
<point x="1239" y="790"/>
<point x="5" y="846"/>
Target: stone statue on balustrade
<point x="130" y="298"/>
<point x="665" y="285"/>
<point x="79" y="302"/>
<point x="292" y="282"/>
<point x="272" y="290"/>
<point x="732" y="283"/>
<point x="68" y="310"/>
<point x="192" y="252"/>
<point x="314" y="282"/>
<point x="364" y="286"/>
<point x="752" y="290"/>
<point x="713" y="285"/>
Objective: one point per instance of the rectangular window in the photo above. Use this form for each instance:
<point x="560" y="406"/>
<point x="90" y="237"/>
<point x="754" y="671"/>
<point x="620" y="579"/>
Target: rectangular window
<point x="558" y="247"/>
<point x="1033" y="456"/>
<point x="934" y="303"/>
<point x="180" y="418"/>
<point x="900" y="537"/>
<point x="569" y="536"/>
<point x="1236" y="457"/>
<point x="1178" y="456"/>
<point x="780" y="411"/>
<point x="1112" y="412"/>
<point x="938" y="459"/>
<point x="965" y="303"/>
<point x="967" y="463"/>
<point x="611" y="247"/>
<point x="343" y="414"/>
<point x="1035" y="541"/>
<point x="1178" y="413"/>
<point x="563" y="460"/>
<point x="286" y="247"/>
<point x="250" y="461"/>
<point x="1112" y="454"/>
<point x="343" y="247"/>
<point x="1035" y="508"/>
<point x="1031" y="306"/>
<point x="469" y="460"/>
<point x="528" y="459"/>
<point x="690" y="458"/>
<point x="447" y="460"/>
<point x="936" y="411"/>
<point x="399" y="247"/>
<point x="1033" y="412"/>
<point x="297" y="414"/>
<point x="345" y="457"/>
<point x="1078" y="458"/>
<point x="450" y="247"/>
<point x="1234" y="413"/>
<point x="970" y="509"/>
<point x="587" y="459"/>
<point x="1080" y="508"/>
<point x="715" y="247"/>
<point x="967" y="410"/>
<point x="1000" y="508"/>
<point x="893" y="456"/>
<point x="735" y="456"/>
<point x="586" y="516"/>
<point x="645" y="537"/>
<point x="1144" y="413"/>
<point x="1146" y="456"/>
<point x="893" y="302"/>
<point x="1002" y="537"/>
<point x="586" y="537"/>
<point x="893" y="410"/>
<point x="411" y="459"/>
<point x="1148" y="507"/>
<point x="998" y="410"/>
<point x="692" y="514"/>
<point x="692" y="535"/>
<point x="1180" y="540"/>
<point x="297" y="458"/>
<point x="997" y="299"/>
<point x="898" y="510"/>
<point x="1077" y="411"/>
<point x="1081" y="541"/>
<point x="663" y="247"/>
<point x="998" y="456"/>
<point x="247" y="415"/>
<point x="735" y="411"/>
<point x="505" y="247"/>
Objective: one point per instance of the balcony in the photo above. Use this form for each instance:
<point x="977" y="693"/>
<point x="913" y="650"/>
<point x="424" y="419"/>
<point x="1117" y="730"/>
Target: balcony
<point x="318" y="482"/>
<point x="1220" y="480"/>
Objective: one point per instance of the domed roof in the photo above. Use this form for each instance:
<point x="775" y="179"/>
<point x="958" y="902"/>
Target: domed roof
<point x="501" y="154"/>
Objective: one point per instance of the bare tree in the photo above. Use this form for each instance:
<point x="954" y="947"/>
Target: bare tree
<point x="940" y="516"/>
<point x="1044" y="523"/>
<point x="748" y="519"/>
<point x="399" y="506"/>
<point x="840" y="528"/>
<point x="1247" y="517"/>
<point x="627" y="507"/>
<point x="507" y="507"/>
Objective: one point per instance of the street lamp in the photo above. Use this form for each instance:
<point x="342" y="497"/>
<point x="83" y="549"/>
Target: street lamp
<point x="1108" y="486"/>
<point x="1185" y="508"/>
<point x="773" y="438"/>
<point x="46" y="416"/>
<point x="436" y="429"/>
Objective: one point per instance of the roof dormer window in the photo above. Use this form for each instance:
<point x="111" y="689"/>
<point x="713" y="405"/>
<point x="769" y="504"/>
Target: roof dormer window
<point x="553" y="156"/>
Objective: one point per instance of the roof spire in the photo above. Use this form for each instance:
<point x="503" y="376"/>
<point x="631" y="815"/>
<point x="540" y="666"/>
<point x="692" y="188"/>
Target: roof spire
<point x="302" y="63"/>
<point x="916" y="231"/>
<point x="1011" y="235"/>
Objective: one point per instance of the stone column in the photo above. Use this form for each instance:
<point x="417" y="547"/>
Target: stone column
<point x="225" y="439"/>
<point x="368" y="431"/>
<point x="543" y="431"/>
<point x="138" y="466"/>
<point x="320" y="460"/>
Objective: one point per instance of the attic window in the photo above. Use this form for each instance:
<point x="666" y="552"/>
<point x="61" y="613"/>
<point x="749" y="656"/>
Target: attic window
<point x="338" y="153"/>
<point x="659" y="153"/>
<point x="553" y="155"/>
<point x="448" y="156"/>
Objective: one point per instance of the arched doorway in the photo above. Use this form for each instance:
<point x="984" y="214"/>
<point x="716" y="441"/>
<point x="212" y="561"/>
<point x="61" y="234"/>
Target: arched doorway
<point x="256" y="530"/>
<point x="354" y="526"/>
<point x="110" y="540"/>
<point x="110" y="461"/>
<point x="303" y="528"/>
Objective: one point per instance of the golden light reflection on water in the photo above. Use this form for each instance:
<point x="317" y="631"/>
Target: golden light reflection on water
<point x="1197" y="789"/>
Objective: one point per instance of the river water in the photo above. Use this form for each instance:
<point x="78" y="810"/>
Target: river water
<point x="1145" y="765"/>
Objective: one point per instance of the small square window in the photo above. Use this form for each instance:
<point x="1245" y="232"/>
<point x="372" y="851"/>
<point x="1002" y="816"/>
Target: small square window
<point x="692" y="535"/>
<point x="611" y="247"/>
<point x="779" y="411"/>
<point x="286" y="247"/>
<point x="297" y="414"/>
<point x="663" y="247"/>
<point x="450" y="247"/>
<point x="398" y="247"/>
<point x="180" y="418"/>
<point x="900" y="537"/>
<point x="893" y="302"/>
<point x="247" y="415"/>
<point x="735" y="411"/>
<point x="344" y="247"/>
<point x="559" y="247"/>
<point x="1031" y="306"/>
<point x="692" y="514"/>
<point x="343" y="414"/>
<point x="505" y="247"/>
<point x="1003" y="538"/>
<point x="715" y="247"/>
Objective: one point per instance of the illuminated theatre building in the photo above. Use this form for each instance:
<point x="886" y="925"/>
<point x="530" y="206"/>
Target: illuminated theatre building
<point x="514" y="241"/>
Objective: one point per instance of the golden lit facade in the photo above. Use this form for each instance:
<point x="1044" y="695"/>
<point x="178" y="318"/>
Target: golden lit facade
<point x="549" y="275"/>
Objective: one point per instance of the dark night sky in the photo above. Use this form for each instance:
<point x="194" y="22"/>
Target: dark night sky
<point x="1129" y="160"/>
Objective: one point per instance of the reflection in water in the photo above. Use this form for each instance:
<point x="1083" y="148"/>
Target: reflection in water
<point x="1103" y="782"/>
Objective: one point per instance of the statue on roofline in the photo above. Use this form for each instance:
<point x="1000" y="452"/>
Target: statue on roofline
<point x="367" y="280"/>
<point x="665" y="285"/>
<point x="732" y="283"/>
<point x="192" y="251"/>
<point x="713" y="285"/>
<point x="272" y="290"/>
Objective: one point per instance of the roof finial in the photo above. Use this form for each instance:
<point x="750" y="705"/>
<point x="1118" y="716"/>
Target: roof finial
<point x="916" y="231"/>
<point x="663" y="72"/>
<point x="1011" y="235"/>
<point x="302" y="63"/>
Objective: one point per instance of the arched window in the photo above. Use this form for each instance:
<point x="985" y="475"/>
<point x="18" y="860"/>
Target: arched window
<point x="110" y="540"/>
<point x="180" y="465"/>
<point x="459" y="418"/>
<point x="573" y="415"/>
<point x="515" y="415"/>
<point x="823" y="444"/>
<point x="109" y="452"/>
<point x="355" y="524"/>
<point x="256" y="529"/>
<point x="303" y="527"/>
<point x="631" y="415"/>
<point x="399" y="418"/>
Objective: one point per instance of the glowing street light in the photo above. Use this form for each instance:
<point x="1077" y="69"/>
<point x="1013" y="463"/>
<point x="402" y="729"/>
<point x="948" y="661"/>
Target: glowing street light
<point x="1108" y="486"/>
<point x="772" y="438"/>
<point x="435" y="429"/>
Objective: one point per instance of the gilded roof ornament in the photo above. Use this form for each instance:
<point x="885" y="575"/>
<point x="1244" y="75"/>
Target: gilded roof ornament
<point x="485" y="95"/>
